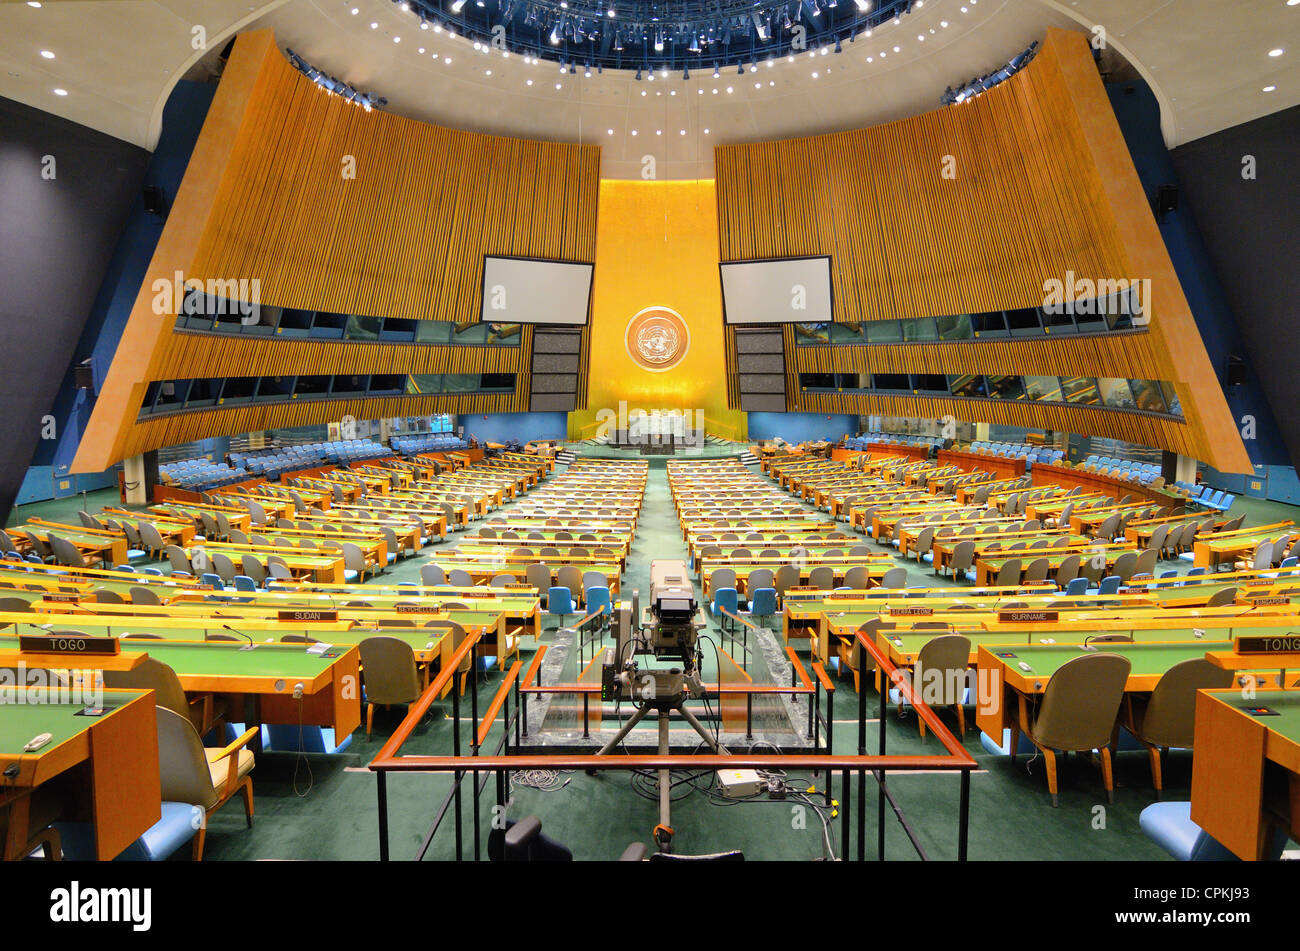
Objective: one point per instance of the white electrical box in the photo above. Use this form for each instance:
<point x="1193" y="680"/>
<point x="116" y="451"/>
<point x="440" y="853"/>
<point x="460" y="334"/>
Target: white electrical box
<point x="739" y="783"/>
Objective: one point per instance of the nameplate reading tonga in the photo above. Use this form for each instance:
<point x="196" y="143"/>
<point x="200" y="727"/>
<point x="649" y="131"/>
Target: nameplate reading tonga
<point x="1268" y="644"/>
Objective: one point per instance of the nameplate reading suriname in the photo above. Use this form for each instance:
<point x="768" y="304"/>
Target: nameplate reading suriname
<point x="1027" y="617"/>
<point x="298" y="616"/>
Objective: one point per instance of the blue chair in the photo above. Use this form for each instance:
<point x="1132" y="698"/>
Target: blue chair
<point x="245" y="583"/>
<point x="597" y="598"/>
<point x="1169" y="573"/>
<point x="157" y="572"/>
<point x="724" y="599"/>
<point x="213" y="581"/>
<point x="1170" y="826"/>
<point x="762" y="603"/>
<point x="1077" y="586"/>
<point x="559" y="602"/>
<point x="1109" y="585"/>
<point x="177" y="826"/>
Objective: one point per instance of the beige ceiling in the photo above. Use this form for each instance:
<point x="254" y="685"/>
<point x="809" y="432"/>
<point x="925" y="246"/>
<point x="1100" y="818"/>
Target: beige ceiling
<point x="1207" y="61"/>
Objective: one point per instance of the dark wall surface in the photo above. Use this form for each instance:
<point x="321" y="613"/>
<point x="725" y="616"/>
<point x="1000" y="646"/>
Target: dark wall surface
<point x="1251" y="228"/>
<point x="56" y="237"/>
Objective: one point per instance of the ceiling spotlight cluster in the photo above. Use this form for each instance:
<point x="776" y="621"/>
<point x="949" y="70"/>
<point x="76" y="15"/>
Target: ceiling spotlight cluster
<point x="973" y="87"/>
<point x="366" y="100"/>
<point x="658" y="35"/>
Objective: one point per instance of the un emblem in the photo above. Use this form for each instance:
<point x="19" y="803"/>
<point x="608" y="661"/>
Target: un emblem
<point x="657" y="338"/>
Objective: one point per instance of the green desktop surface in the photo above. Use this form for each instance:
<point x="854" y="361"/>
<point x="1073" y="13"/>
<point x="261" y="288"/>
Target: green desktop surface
<point x="20" y="722"/>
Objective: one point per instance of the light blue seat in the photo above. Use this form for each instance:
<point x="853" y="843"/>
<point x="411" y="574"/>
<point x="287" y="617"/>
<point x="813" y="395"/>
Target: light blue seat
<point x="1077" y="586"/>
<point x="1170" y="826"/>
<point x="1024" y="746"/>
<point x="559" y="602"/>
<point x="724" y="599"/>
<point x="1109" y="585"/>
<point x="177" y="826"/>
<point x="245" y="583"/>
<point x="762" y="603"/>
<point x="596" y="598"/>
<point x="213" y="581"/>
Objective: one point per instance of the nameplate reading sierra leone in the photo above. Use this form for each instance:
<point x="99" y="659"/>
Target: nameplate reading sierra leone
<point x="1027" y="617"/>
<point x="299" y="616"/>
<point x="1288" y="643"/>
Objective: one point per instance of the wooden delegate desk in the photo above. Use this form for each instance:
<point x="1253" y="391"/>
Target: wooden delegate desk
<point x="319" y="566"/>
<point x="110" y="547"/>
<point x="103" y="770"/>
<point x="1047" y="474"/>
<point x="262" y="678"/>
<point x="1007" y="706"/>
<point x="1246" y="769"/>
<point x="987" y="567"/>
<point x="1210" y="550"/>
<point x="971" y="461"/>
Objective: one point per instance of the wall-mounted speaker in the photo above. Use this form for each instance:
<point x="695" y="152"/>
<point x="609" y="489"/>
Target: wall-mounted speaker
<point x="1236" y="374"/>
<point x="155" y="201"/>
<point x="1166" y="199"/>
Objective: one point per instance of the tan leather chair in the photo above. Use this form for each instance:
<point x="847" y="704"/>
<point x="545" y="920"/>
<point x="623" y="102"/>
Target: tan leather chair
<point x="1221" y="597"/>
<point x="457" y="635"/>
<point x="203" y="712"/>
<point x="940" y="676"/>
<point x="390" y="674"/>
<point x="203" y="776"/>
<point x="1079" y="711"/>
<point x="1167" y="717"/>
<point x="855" y="658"/>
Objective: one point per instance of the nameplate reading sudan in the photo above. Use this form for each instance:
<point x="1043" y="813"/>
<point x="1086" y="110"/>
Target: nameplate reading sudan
<point x="300" y="616"/>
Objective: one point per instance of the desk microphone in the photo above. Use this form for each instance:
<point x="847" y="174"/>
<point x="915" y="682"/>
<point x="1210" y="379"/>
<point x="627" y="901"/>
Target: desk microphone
<point x="251" y="642"/>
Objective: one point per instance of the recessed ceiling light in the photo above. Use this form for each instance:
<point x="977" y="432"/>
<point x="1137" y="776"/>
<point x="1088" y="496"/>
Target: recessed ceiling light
<point x="634" y="131"/>
<point x="355" y="11"/>
<point x="683" y="131"/>
<point x="397" y="39"/>
<point x="374" y="25"/>
<point x="47" y="54"/>
<point x="420" y="50"/>
<point x="1277" y="52"/>
<point x="1272" y="88"/>
<point x="557" y="85"/>
<point x="447" y="60"/>
<point x="728" y="90"/>
<point x="487" y="72"/>
<point x="609" y="131"/>
<point x="659" y="131"/>
<point x="529" y="83"/>
<point x="60" y="92"/>
<point x="706" y="131"/>
<point x="815" y="75"/>
<point x="34" y="3"/>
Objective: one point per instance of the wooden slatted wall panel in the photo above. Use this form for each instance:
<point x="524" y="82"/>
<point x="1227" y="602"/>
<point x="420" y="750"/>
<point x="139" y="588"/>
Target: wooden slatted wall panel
<point x="1032" y="197"/>
<point x="403" y="238"/>
<point x="1130" y="426"/>
<point x="188" y="426"/>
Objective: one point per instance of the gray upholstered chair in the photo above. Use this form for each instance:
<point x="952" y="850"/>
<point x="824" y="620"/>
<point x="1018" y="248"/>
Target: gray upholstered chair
<point x="1167" y="716"/>
<point x="1078" y="712"/>
<point x="390" y="673"/>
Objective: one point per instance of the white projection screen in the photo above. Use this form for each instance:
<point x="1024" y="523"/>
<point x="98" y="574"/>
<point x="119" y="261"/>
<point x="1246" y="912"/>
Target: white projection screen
<point x="790" y="290"/>
<point x="531" y="291"/>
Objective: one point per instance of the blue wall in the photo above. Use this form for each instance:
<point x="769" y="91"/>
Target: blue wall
<point x="503" y="427"/>
<point x="801" y="427"/>
<point x="1139" y="119"/>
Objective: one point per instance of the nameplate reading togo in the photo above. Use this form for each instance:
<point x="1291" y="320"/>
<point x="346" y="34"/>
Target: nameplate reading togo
<point x="1026" y="617"/>
<point x="298" y="616"/>
<point x="67" y="644"/>
<point x="1268" y="644"/>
